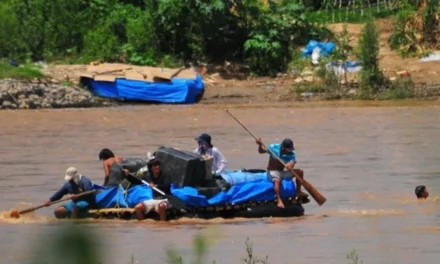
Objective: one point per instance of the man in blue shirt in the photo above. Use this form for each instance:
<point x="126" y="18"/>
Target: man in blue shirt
<point x="275" y="170"/>
<point x="74" y="185"/>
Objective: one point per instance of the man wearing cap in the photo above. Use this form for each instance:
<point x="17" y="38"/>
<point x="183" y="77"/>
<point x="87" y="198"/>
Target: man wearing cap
<point x="159" y="203"/>
<point x="74" y="185"/>
<point x="206" y="148"/>
<point x="275" y="170"/>
<point x="421" y="192"/>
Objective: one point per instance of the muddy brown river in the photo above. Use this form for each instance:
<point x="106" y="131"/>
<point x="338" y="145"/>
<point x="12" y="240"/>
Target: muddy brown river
<point x="365" y="160"/>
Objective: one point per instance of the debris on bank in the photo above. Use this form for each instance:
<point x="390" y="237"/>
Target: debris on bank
<point x="20" y="94"/>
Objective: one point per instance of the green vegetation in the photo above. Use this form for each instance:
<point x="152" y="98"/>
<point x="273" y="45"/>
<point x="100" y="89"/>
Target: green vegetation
<point x="416" y="28"/>
<point x="74" y="244"/>
<point x="354" y="257"/>
<point x="25" y="71"/>
<point x="356" y="14"/>
<point x="372" y="82"/>
<point x="264" y="34"/>
<point x="371" y="76"/>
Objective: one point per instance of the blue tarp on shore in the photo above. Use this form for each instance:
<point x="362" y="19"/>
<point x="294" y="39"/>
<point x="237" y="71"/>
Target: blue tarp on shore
<point x="254" y="190"/>
<point x="325" y="47"/>
<point x="178" y="90"/>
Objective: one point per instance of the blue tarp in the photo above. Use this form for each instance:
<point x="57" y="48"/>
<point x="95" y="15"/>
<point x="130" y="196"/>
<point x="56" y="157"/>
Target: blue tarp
<point x="257" y="190"/>
<point x="236" y="177"/>
<point x="326" y="48"/>
<point x="118" y="197"/>
<point x="246" y="191"/>
<point x="178" y="90"/>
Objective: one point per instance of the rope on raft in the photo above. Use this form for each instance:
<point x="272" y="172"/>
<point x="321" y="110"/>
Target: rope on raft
<point x="118" y="210"/>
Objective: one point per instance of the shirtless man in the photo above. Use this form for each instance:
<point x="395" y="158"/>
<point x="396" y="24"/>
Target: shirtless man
<point x="275" y="170"/>
<point x="110" y="163"/>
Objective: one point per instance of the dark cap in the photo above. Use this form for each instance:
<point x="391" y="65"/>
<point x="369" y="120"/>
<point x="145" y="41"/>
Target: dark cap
<point x="419" y="190"/>
<point x="204" y="139"/>
<point x="288" y="144"/>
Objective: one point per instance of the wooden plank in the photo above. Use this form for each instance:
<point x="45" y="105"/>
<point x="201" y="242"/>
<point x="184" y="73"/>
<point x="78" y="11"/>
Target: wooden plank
<point x="87" y="75"/>
<point x="134" y="75"/>
<point x="105" y="78"/>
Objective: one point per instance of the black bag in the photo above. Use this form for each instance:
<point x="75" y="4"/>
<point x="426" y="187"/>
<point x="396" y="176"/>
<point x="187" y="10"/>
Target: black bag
<point x="181" y="168"/>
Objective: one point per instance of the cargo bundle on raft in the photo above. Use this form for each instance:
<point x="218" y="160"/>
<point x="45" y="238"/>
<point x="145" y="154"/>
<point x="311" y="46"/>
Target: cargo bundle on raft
<point x="234" y="193"/>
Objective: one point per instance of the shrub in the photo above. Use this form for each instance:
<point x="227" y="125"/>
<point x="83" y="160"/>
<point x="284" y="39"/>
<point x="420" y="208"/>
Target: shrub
<point x="371" y="75"/>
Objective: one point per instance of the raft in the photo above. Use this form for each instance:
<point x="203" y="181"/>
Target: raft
<point x="249" y="195"/>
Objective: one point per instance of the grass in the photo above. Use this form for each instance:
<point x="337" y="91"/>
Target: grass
<point x="24" y="71"/>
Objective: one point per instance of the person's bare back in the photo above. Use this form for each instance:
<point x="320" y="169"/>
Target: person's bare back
<point x="108" y="158"/>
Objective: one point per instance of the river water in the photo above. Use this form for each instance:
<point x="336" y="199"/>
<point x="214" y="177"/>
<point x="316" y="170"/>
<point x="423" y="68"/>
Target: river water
<point x="365" y="160"/>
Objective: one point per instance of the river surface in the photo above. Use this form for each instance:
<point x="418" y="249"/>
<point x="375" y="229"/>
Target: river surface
<point x="365" y="160"/>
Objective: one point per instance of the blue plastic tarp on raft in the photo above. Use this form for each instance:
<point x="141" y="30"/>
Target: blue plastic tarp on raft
<point x="118" y="197"/>
<point x="178" y="90"/>
<point x="236" y="177"/>
<point x="246" y="191"/>
<point x="260" y="190"/>
<point x="325" y="47"/>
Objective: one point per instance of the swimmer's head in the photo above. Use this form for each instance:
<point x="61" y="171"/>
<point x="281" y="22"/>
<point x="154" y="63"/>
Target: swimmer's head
<point x="421" y="192"/>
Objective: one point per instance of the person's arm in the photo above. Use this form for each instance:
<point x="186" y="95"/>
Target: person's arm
<point x="87" y="186"/>
<point x="106" y="172"/>
<point x="59" y="194"/>
<point x="163" y="186"/>
<point x="261" y="149"/>
<point x="222" y="162"/>
<point x="291" y="164"/>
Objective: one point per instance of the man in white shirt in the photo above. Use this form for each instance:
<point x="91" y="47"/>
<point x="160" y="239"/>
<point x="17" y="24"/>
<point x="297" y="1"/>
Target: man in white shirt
<point x="206" y="148"/>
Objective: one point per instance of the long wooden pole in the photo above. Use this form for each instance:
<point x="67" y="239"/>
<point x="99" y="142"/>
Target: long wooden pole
<point x="16" y="213"/>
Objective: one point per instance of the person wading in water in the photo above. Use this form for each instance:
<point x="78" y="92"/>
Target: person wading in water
<point x="421" y="192"/>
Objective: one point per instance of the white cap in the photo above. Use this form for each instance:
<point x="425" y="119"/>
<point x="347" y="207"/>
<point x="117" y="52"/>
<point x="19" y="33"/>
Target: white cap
<point x="150" y="156"/>
<point x="70" y="173"/>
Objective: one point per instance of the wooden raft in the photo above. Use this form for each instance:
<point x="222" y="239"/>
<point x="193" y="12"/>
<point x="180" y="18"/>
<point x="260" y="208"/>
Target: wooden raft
<point x="128" y="213"/>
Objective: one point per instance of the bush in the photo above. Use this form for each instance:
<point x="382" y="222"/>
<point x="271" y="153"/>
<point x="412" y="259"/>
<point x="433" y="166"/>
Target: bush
<point x="401" y="88"/>
<point x="262" y="33"/>
<point x="416" y="28"/>
<point x="371" y="75"/>
<point x="26" y="71"/>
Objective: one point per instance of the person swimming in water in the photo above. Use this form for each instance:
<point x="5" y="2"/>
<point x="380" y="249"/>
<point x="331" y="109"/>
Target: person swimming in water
<point x="421" y="192"/>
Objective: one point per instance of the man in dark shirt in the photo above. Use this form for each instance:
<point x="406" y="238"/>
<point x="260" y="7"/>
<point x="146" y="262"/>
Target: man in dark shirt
<point x="159" y="203"/>
<point x="75" y="184"/>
